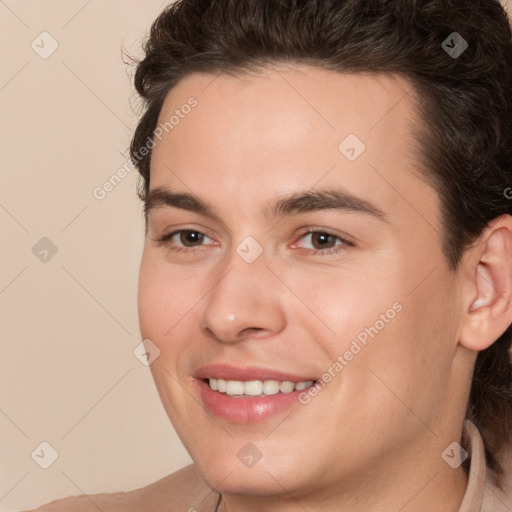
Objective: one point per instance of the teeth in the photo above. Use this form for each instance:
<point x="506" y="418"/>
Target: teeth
<point x="253" y="388"/>
<point x="257" y="387"/>
<point x="286" y="386"/>
<point x="234" y="387"/>
<point x="270" y="387"/>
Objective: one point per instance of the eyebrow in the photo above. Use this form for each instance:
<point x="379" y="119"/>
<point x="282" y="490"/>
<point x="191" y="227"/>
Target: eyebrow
<point x="293" y="204"/>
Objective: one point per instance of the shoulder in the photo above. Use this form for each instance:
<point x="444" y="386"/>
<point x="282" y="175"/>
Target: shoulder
<point x="183" y="490"/>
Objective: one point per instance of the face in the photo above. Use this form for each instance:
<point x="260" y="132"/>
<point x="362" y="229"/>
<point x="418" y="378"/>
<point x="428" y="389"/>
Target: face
<point x="346" y="288"/>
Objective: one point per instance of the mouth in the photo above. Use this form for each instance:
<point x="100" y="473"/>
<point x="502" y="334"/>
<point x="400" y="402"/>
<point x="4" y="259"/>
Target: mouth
<point x="249" y="395"/>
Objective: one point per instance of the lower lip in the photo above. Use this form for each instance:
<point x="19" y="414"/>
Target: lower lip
<point x="246" y="409"/>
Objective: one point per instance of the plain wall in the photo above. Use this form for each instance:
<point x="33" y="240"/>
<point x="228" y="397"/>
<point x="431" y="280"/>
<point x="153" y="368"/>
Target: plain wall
<point x="69" y="324"/>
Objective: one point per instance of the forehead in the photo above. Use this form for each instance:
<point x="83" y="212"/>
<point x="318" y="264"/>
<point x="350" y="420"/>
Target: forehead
<point x="284" y="108"/>
<point x="290" y="127"/>
<point x="294" y="100"/>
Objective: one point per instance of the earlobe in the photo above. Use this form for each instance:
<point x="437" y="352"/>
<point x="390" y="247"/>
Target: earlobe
<point x="490" y="310"/>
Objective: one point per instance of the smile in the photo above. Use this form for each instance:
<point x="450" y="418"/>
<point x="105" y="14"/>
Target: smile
<point x="251" y="388"/>
<point x="249" y="394"/>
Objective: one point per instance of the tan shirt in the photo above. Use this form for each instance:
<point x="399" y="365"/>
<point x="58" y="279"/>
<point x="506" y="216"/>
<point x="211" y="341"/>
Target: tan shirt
<point x="184" y="490"/>
<point x="481" y="494"/>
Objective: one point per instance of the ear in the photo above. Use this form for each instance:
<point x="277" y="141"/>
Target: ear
<point x="488" y="301"/>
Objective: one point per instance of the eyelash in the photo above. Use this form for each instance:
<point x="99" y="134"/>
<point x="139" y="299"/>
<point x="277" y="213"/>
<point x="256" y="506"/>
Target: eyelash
<point x="165" y="241"/>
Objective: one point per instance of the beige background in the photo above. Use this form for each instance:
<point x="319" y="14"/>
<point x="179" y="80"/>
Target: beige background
<point x="69" y="324"/>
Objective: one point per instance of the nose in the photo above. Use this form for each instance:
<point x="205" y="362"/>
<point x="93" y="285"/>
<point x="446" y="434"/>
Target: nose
<point x="245" y="301"/>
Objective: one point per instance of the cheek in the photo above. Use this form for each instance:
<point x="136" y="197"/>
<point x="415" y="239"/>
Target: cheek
<point x="149" y="298"/>
<point x="408" y="362"/>
<point x="341" y="305"/>
<point x="396" y="343"/>
<point x="165" y="296"/>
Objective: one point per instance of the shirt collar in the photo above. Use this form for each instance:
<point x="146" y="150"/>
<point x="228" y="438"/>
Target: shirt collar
<point x="474" y="446"/>
<point x="482" y="495"/>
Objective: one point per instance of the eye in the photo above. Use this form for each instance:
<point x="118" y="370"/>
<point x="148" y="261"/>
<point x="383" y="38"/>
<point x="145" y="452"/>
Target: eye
<point x="324" y="242"/>
<point x="189" y="238"/>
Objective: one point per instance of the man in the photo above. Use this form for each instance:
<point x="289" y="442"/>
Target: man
<point x="326" y="284"/>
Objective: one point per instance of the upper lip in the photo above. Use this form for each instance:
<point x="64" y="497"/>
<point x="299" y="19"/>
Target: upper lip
<point x="227" y="372"/>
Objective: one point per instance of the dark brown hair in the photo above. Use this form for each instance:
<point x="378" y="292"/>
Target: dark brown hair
<point x="465" y="106"/>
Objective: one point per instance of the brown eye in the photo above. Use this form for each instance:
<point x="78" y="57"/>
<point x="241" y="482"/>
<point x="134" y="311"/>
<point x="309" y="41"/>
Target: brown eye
<point x="190" y="238"/>
<point x="323" y="240"/>
<point x="183" y="240"/>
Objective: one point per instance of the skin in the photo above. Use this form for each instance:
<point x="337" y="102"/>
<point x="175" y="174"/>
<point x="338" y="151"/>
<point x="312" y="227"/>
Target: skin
<point x="372" y="438"/>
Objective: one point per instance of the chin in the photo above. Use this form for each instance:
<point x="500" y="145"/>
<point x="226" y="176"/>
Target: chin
<point x="227" y="479"/>
<point x="229" y="475"/>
